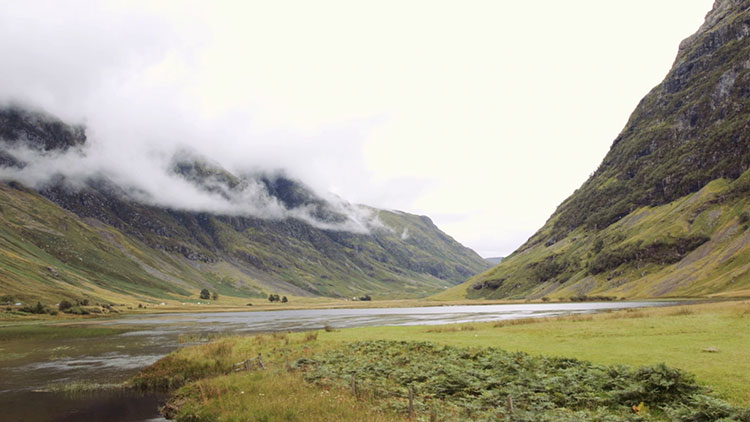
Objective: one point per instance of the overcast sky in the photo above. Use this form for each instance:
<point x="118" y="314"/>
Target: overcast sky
<point x="484" y="115"/>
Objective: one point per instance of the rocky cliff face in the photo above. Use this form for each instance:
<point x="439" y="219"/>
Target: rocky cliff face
<point x="38" y="130"/>
<point x="688" y="140"/>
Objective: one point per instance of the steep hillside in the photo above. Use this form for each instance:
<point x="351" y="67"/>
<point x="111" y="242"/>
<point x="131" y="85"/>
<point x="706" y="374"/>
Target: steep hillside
<point x="95" y="239"/>
<point x="666" y="212"/>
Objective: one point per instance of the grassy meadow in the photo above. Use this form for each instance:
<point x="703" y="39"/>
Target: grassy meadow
<point x="707" y="340"/>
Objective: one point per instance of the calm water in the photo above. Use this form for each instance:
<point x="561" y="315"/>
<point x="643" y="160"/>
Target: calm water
<point x="28" y="368"/>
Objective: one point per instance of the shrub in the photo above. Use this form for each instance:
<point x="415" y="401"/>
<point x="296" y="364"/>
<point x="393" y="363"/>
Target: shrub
<point x="64" y="305"/>
<point x="205" y="294"/>
<point x="77" y="310"/>
<point x="474" y="384"/>
<point x="284" y="300"/>
<point x="37" y="309"/>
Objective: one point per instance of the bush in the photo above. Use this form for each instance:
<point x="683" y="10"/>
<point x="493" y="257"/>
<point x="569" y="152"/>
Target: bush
<point x="64" y="305"/>
<point x="7" y="299"/>
<point x="273" y="298"/>
<point x="584" y="298"/>
<point x="284" y="300"/>
<point x="215" y="296"/>
<point x="37" y="309"/>
<point x="205" y="294"/>
<point x="474" y="384"/>
<point x="365" y="298"/>
<point x="77" y="310"/>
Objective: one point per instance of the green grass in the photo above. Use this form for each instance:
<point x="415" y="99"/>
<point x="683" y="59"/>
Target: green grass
<point x="272" y="395"/>
<point x="473" y="384"/>
<point x="677" y="173"/>
<point x="43" y="332"/>
<point x="696" y="246"/>
<point x="675" y="336"/>
<point x="49" y="254"/>
<point x="707" y="340"/>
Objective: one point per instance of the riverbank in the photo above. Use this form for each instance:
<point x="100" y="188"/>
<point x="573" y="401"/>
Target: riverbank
<point x="232" y="304"/>
<point x="708" y="340"/>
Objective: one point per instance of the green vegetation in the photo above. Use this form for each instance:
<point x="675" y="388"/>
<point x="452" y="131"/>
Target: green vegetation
<point x="667" y="211"/>
<point x="38" y="309"/>
<point x="40" y="331"/>
<point x="118" y="252"/>
<point x="467" y="371"/>
<point x="462" y="384"/>
<point x="659" y="252"/>
<point x="271" y="395"/>
<point x="696" y="246"/>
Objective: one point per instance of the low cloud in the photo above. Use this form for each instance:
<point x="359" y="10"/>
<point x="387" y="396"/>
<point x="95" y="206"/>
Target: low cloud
<point x="149" y="177"/>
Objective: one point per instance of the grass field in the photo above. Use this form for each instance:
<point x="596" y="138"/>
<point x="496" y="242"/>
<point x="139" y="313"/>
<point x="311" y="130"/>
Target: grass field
<point x="708" y="340"/>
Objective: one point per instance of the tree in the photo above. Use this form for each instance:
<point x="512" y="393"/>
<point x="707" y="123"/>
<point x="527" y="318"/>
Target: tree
<point x="215" y="296"/>
<point x="273" y="298"/>
<point x="205" y="294"/>
<point x="64" y="305"/>
<point x="365" y="298"/>
<point x="284" y="300"/>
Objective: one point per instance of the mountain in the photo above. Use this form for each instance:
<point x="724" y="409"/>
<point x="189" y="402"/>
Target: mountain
<point x="91" y="237"/>
<point x="666" y="212"/>
<point x="494" y="260"/>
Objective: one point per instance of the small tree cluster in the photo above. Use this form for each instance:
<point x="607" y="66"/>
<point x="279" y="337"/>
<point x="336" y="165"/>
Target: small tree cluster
<point x="273" y="298"/>
<point x="38" y="309"/>
<point x="365" y="298"/>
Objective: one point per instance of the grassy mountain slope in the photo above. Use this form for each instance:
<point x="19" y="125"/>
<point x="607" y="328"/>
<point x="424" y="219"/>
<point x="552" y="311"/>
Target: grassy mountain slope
<point x="94" y="239"/>
<point x="148" y="254"/>
<point x="666" y="212"/>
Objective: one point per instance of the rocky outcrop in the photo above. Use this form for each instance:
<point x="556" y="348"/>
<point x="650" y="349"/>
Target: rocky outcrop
<point x="38" y="130"/>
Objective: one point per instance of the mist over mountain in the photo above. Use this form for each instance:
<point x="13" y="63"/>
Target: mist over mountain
<point x="78" y="223"/>
<point x="40" y="150"/>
